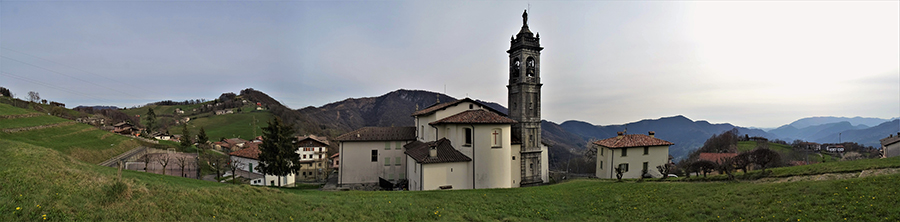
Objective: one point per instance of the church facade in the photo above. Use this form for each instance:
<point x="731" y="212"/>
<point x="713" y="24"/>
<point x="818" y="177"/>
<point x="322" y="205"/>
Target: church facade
<point x="462" y="144"/>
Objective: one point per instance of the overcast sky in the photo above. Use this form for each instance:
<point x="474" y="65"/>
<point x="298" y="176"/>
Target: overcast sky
<point x="755" y="64"/>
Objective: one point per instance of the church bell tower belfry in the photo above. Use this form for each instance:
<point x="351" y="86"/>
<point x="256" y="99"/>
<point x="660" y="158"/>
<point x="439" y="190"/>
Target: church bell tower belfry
<point x="525" y="99"/>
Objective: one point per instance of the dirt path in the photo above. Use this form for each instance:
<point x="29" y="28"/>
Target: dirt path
<point x="830" y="176"/>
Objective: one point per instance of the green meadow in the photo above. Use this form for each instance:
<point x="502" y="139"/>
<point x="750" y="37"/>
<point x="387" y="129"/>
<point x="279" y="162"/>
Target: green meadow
<point x="44" y="175"/>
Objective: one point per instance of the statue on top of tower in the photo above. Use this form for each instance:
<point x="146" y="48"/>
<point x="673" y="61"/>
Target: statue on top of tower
<point x="525" y="18"/>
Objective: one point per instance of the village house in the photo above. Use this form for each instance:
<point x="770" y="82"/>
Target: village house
<point x="890" y="146"/>
<point x="634" y="153"/>
<point x="717" y="158"/>
<point x="126" y="128"/>
<point x="370" y="153"/>
<point x="335" y="161"/>
<point x="313" y="152"/>
<point x="249" y="157"/>
<point x="461" y="144"/>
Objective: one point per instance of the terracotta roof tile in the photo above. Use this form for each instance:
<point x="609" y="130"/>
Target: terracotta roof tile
<point x="379" y="134"/>
<point x="251" y="152"/>
<point x="420" y="151"/>
<point x="632" y="140"/>
<point x="716" y="157"/>
<point x="475" y="116"/>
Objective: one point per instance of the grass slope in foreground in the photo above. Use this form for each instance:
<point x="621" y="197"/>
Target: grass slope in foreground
<point x="39" y="182"/>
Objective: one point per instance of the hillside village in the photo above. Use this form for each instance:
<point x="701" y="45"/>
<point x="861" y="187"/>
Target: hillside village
<point x="452" y="144"/>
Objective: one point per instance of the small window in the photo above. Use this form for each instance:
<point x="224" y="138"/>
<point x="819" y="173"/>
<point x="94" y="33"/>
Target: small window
<point x="624" y="167"/>
<point x="514" y="157"/>
<point x="645" y="167"/>
<point x="471" y="106"/>
<point x="625" y="152"/>
<point x="387" y="161"/>
<point x="387" y="145"/>
<point x="601" y="165"/>
<point x="601" y="150"/>
<point x="374" y="155"/>
<point x="397" y="161"/>
<point x="402" y="176"/>
<point x="646" y="150"/>
<point x="468" y="135"/>
<point x="397" y="145"/>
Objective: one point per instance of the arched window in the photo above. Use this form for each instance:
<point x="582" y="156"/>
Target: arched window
<point x="529" y="63"/>
<point x="514" y="67"/>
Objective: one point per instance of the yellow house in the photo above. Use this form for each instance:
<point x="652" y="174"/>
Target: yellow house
<point x="633" y="153"/>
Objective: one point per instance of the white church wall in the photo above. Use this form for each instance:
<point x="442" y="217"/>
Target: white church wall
<point x="492" y="166"/>
<point x="454" y="174"/>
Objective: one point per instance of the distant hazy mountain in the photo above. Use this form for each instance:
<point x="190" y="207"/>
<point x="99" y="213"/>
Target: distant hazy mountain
<point x="868" y="136"/>
<point x="811" y="133"/>
<point x="819" y="120"/>
<point x="685" y="133"/>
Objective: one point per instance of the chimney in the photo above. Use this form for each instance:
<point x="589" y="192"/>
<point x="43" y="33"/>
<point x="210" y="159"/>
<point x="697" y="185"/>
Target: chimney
<point x="432" y="152"/>
<point x="621" y="134"/>
<point x="652" y="134"/>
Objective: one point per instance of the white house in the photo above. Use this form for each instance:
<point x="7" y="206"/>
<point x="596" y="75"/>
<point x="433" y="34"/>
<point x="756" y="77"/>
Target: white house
<point x="890" y="146"/>
<point x="633" y="153"/>
<point x="369" y="153"/>
<point x="249" y="157"/>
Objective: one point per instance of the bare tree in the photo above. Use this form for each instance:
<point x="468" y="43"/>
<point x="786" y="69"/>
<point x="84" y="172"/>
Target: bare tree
<point x="216" y="162"/>
<point x="665" y="170"/>
<point x="727" y="166"/>
<point x="704" y="166"/>
<point x="34" y="96"/>
<point x="234" y="165"/>
<point x="164" y="161"/>
<point x="146" y="159"/>
<point x="765" y="158"/>
<point x="619" y="172"/>
<point x="182" y="161"/>
<point x="742" y="161"/>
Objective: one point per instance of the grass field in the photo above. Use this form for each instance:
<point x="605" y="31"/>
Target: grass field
<point x="6" y="109"/>
<point x="30" y="121"/>
<point x="238" y="125"/>
<point x="39" y="181"/>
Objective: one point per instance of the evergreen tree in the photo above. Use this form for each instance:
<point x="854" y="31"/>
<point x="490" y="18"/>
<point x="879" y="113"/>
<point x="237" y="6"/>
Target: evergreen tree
<point x="202" y="139"/>
<point x="278" y="155"/>
<point x="150" y="120"/>
<point x="185" y="137"/>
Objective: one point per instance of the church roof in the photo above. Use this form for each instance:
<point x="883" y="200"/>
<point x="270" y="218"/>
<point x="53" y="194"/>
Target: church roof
<point x="437" y="107"/>
<point x="632" y="140"/>
<point x="477" y="116"/>
<point x="419" y="151"/>
<point x="380" y="134"/>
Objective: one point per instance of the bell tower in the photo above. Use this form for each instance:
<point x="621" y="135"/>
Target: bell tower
<point x="524" y="91"/>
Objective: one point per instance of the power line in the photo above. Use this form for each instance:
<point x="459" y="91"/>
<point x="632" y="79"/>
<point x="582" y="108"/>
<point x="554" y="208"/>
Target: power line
<point x="36" y="66"/>
<point x="77" y="69"/>
<point x="51" y="86"/>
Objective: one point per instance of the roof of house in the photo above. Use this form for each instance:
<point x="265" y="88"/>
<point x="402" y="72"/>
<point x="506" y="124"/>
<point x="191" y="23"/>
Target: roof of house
<point x="476" y="116"/>
<point x="251" y="152"/>
<point x="436" y="107"/>
<point x="420" y="152"/>
<point x="320" y="139"/>
<point x="890" y="140"/>
<point x="716" y="157"/>
<point x="234" y="141"/>
<point x="632" y="140"/>
<point x="123" y="124"/>
<point x="380" y="134"/>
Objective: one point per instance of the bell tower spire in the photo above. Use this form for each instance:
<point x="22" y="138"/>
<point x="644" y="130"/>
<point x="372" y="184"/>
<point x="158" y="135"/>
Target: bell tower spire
<point x="524" y="91"/>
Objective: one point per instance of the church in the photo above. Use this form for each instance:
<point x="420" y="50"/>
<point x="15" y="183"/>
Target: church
<point x="460" y="144"/>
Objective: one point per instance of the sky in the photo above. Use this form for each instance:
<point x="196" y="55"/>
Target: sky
<point x="749" y="63"/>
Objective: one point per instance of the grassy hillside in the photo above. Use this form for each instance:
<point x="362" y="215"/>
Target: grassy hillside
<point x="239" y="125"/>
<point x="38" y="181"/>
<point x="786" y="151"/>
<point x="83" y="142"/>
